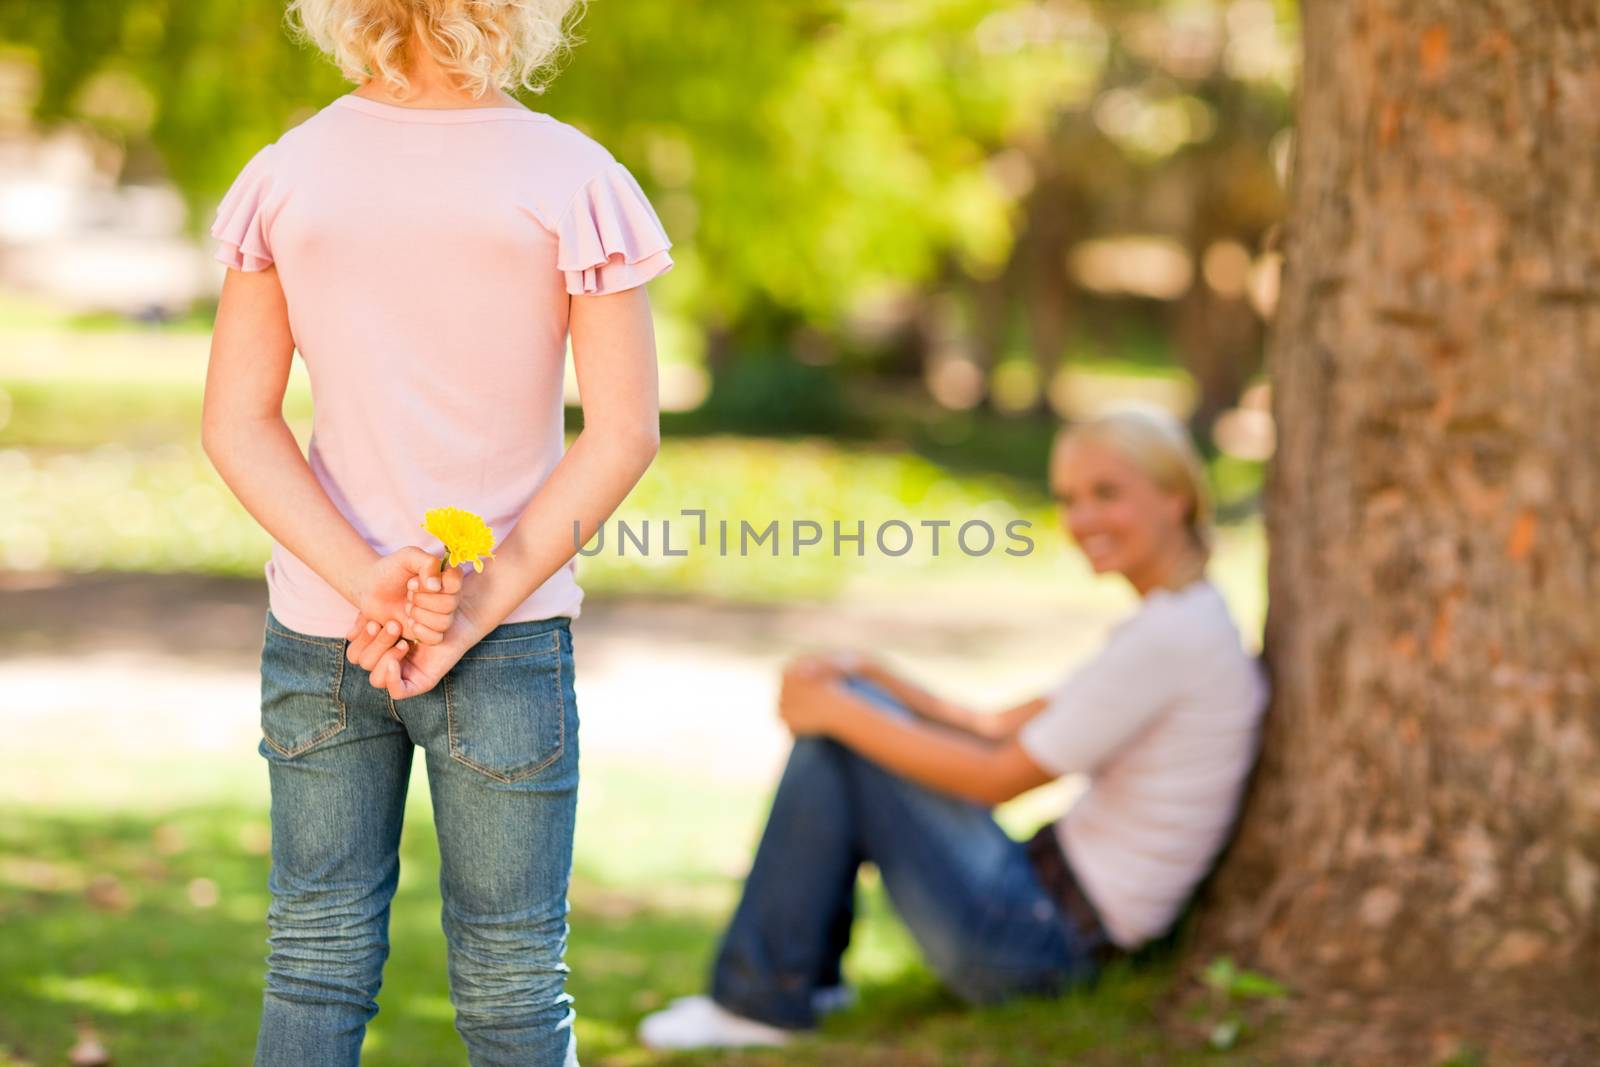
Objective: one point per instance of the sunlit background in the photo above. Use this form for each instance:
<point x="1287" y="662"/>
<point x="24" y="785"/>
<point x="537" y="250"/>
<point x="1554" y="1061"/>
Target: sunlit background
<point x="910" y="239"/>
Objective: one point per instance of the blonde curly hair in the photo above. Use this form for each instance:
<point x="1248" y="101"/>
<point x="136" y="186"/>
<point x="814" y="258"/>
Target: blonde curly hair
<point x="484" y="44"/>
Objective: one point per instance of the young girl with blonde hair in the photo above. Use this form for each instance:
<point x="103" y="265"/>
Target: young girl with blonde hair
<point x="428" y="244"/>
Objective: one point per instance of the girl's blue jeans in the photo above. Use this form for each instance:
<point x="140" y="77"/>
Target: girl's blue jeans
<point x="965" y="889"/>
<point x="500" y="736"/>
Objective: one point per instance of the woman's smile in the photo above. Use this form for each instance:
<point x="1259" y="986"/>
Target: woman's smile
<point x="1100" y="548"/>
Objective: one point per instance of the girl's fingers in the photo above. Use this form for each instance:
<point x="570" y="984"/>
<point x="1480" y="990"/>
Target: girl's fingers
<point x="431" y="581"/>
<point x="445" y="602"/>
<point x="425" y="634"/>
<point x="434" y="620"/>
<point x="387" y="673"/>
<point x="396" y="655"/>
<point x="400" y="686"/>
<point x="399" y="653"/>
<point x="451" y="580"/>
<point x="360" y="636"/>
<point x="380" y="644"/>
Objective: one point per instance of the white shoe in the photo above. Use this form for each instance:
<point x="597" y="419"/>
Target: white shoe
<point x="700" y="1022"/>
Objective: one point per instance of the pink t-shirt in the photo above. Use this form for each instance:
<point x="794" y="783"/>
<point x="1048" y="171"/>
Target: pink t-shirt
<point x="427" y="257"/>
<point x="1164" y="720"/>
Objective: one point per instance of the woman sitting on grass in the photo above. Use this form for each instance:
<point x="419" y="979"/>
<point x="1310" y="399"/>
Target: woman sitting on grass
<point x="1163" y="720"/>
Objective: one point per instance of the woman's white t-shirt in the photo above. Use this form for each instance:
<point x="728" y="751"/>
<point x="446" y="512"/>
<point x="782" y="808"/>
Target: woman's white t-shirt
<point x="1164" y="720"/>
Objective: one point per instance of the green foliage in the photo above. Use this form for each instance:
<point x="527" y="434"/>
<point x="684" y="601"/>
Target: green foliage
<point x="776" y="395"/>
<point x="805" y="155"/>
<point x="1465" y="1058"/>
<point x="1231" y="986"/>
<point x="1227" y="979"/>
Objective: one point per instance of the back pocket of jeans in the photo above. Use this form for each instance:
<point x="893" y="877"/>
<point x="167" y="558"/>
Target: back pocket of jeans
<point x="506" y="705"/>
<point x="301" y="702"/>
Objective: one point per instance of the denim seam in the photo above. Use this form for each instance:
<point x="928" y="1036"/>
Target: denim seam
<point x="334" y="695"/>
<point x="324" y="642"/>
<point x="552" y="631"/>
<point x="561" y="740"/>
<point x="555" y="646"/>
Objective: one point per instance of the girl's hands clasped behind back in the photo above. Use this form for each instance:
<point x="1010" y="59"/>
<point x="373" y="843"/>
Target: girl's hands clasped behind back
<point x="406" y="604"/>
<point x="386" y="591"/>
<point x="408" y="670"/>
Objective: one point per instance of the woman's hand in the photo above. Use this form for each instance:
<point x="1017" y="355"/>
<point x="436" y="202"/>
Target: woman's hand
<point x="809" y="698"/>
<point x="832" y="665"/>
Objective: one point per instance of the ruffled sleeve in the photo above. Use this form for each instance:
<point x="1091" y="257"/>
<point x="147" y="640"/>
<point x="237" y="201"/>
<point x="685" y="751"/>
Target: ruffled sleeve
<point x="609" y="238"/>
<point x="239" y="229"/>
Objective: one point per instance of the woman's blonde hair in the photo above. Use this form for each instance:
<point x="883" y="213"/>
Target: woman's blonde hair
<point x="482" y="43"/>
<point x="1155" y="442"/>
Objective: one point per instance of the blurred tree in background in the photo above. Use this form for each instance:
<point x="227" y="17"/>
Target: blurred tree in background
<point x="952" y="198"/>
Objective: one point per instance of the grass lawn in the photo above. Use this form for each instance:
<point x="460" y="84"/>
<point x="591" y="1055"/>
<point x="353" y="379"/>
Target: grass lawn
<point x="144" y="918"/>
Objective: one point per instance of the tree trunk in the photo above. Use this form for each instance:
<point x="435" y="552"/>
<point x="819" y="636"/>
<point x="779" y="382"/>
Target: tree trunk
<point x="1427" y="812"/>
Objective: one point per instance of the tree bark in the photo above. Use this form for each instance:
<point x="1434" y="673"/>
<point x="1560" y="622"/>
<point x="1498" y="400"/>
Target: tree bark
<point x="1427" y="811"/>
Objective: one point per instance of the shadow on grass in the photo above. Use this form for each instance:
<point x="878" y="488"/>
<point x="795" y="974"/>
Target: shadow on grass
<point x="151" y="929"/>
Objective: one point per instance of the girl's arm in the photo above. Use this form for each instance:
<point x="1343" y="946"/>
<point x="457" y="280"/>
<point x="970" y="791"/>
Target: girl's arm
<point x="614" y="354"/>
<point x="615" y="357"/>
<point x="965" y="766"/>
<point x="247" y="440"/>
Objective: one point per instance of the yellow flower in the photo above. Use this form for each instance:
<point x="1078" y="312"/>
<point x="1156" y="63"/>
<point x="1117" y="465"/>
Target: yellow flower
<point x="465" y="535"/>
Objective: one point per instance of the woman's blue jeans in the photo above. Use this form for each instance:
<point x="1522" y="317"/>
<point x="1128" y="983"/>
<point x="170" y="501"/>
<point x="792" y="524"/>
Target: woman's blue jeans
<point x="964" y="888"/>
<point x="500" y="735"/>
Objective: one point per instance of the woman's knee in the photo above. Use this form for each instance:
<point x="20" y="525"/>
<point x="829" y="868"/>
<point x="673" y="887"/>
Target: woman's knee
<point x="814" y="763"/>
<point x="816" y="749"/>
